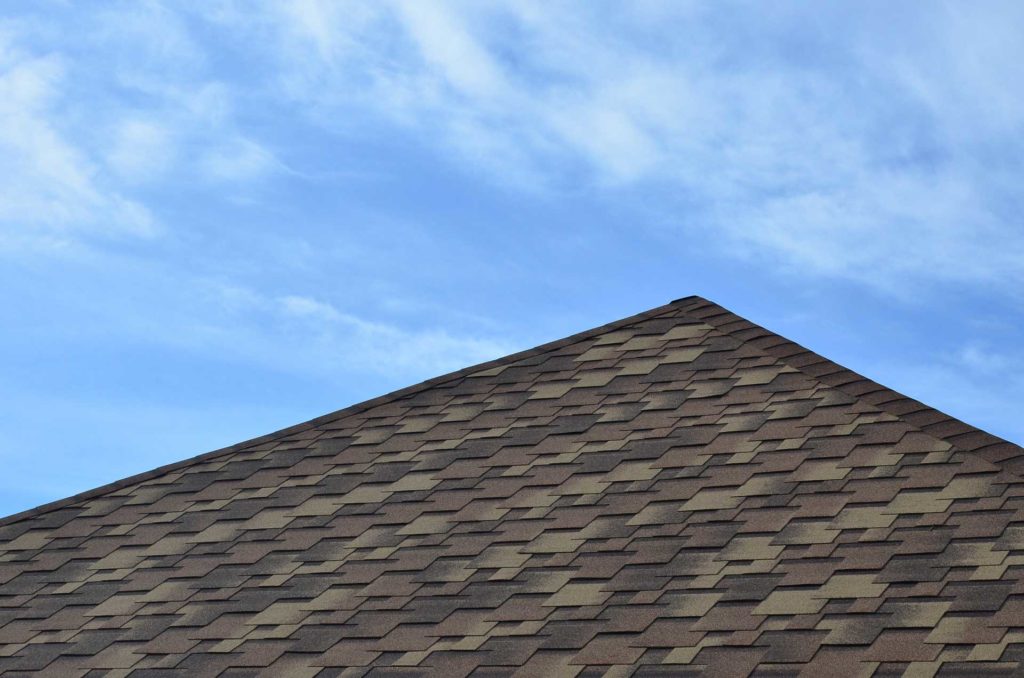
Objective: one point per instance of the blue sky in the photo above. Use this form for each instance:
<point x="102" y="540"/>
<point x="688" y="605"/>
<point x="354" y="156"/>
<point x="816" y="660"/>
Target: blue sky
<point x="218" y="219"/>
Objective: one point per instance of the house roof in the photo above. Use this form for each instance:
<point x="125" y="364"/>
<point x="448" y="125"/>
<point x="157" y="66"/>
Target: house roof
<point x="681" y="491"/>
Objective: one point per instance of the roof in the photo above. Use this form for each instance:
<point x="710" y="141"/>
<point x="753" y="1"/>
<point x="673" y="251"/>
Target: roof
<point x="682" y="492"/>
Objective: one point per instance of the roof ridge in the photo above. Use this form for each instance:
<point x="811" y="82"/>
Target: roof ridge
<point x="341" y="413"/>
<point x="498" y="495"/>
<point x="1003" y="454"/>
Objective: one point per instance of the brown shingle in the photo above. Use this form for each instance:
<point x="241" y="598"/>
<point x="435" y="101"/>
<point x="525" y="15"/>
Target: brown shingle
<point x="678" y="491"/>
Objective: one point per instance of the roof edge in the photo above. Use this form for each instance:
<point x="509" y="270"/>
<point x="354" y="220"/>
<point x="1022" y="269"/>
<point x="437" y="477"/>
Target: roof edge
<point x="340" y="414"/>
<point x="1002" y="453"/>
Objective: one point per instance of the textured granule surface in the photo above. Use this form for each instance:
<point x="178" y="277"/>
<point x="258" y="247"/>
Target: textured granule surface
<point x="678" y="493"/>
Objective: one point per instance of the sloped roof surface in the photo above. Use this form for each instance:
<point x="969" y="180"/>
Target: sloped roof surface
<point x="681" y="493"/>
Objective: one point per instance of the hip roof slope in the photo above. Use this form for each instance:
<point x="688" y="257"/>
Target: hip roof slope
<point x="678" y="492"/>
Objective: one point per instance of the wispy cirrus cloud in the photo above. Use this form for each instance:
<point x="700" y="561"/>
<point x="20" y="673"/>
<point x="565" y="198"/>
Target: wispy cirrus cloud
<point x="837" y="143"/>
<point x="840" y="143"/>
<point x="358" y="344"/>
<point x="90" y="116"/>
<point x="141" y="150"/>
<point x="307" y="335"/>
<point x="50" y="189"/>
<point x="303" y="334"/>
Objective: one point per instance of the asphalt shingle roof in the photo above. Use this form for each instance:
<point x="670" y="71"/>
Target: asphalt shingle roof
<point x="678" y="493"/>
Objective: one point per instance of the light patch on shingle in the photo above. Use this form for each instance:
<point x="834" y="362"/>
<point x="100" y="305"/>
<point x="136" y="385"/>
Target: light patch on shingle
<point x="632" y="471"/>
<point x="595" y="378"/>
<point x="686" y="332"/>
<point x="757" y="376"/>
<point x="641" y="343"/>
<point x="690" y="604"/>
<point x="578" y="595"/>
<point x="820" y="470"/>
<point x="550" y="390"/>
<point x="750" y="548"/>
<point x="851" y="586"/>
<point x="364" y="494"/>
<point x="682" y="355"/>
<point x="918" y="502"/>
<point x="115" y="606"/>
<point x="916" y="614"/>
<point x="790" y="601"/>
<point x="552" y="543"/>
<point x="427" y="524"/>
<point x="30" y="541"/>
<point x="599" y="353"/>
<point x="217" y="533"/>
<point x="710" y="500"/>
<point x="414" y="482"/>
<point x="501" y="556"/>
<point x="270" y="519"/>
<point x="863" y="517"/>
<point x="280" y="613"/>
<point x="638" y="366"/>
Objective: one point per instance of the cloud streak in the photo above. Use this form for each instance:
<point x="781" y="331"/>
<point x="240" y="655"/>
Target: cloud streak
<point x="82" y="139"/>
<point x="50" y="189"/>
<point x="841" y="143"/>
<point x="830" y="143"/>
<point x="310" y="336"/>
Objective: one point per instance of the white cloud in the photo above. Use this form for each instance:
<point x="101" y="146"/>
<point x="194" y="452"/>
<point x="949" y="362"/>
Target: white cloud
<point x="50" y="186"/>
<point x="451" y="51"/>
<point x="887" y="230"/>
<point x="141" y="38"/>
<point x="297" y="334"/>
<point x="854" y="146"/>
<point x="342" y="341"/>
<point x="236" y="159"/>
<point x="984" y="361"/>
<point x="857" y="146"/>
<point x="143" y="150"/>
<point x="121" y="103"/>
<point x="305" y="307"/>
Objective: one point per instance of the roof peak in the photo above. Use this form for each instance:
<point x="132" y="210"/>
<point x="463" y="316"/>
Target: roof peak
<point x="1002" y="453"/>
